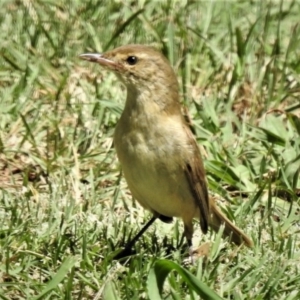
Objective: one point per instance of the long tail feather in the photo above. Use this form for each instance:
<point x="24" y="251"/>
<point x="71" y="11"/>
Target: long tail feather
<point x="236" y="235"/>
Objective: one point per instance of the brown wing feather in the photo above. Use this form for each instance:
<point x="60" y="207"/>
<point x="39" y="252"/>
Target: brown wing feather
<point x="195" y="174"/>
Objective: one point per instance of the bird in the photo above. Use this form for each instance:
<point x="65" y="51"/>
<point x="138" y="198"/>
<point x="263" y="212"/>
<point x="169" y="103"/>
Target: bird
<point x="156" y="148"/>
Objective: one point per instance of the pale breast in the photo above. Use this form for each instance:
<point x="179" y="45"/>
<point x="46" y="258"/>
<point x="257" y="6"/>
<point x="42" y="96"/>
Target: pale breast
<point x="152" y="162"/>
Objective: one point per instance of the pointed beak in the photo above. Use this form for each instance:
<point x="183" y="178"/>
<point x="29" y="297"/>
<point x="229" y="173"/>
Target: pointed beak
<point x="98" y="58"/>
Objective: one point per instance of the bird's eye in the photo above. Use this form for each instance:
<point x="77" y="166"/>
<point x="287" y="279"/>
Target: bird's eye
<point x="132" y="60"/>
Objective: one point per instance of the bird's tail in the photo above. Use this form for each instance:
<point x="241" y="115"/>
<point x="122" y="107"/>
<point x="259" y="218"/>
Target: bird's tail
<point x="217" y="218"/>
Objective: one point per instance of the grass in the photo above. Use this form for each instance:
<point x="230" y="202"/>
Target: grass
<point x="65" y="208"/>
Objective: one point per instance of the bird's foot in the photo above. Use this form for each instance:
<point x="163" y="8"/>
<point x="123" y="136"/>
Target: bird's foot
<point x="127" y="251"/>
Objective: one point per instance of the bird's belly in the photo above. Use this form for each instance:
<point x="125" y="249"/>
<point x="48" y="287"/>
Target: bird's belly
<point x="156" y="178"/>
<point x="164" y="196"/>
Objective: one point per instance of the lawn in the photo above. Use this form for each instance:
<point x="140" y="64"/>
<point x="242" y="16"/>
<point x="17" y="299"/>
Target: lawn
<point x="65" y="207"/>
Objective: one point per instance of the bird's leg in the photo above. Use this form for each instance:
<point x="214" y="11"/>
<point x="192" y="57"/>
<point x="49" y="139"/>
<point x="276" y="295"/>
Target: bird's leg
<point x="190" y="245"/>
<point x="188" y="232"/>
<point x="127" y="250"/>
<point x="131" y="243"/>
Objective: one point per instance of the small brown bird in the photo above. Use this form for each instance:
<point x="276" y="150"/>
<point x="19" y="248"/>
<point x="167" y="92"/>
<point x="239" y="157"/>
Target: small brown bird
<point x="159" y="155"/>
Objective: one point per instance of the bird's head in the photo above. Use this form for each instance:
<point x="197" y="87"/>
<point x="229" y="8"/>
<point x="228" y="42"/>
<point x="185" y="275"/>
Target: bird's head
<point x="137" y="66"/>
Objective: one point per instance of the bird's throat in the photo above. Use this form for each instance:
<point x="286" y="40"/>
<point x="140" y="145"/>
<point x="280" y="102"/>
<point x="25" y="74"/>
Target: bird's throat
<point x="152" y="100"/>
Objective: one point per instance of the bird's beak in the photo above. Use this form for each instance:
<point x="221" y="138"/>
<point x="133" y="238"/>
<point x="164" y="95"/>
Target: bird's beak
<point x="98" y="58"/>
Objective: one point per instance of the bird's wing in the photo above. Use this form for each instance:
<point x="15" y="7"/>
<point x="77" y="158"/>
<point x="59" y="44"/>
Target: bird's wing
<point x="195" y="174"/>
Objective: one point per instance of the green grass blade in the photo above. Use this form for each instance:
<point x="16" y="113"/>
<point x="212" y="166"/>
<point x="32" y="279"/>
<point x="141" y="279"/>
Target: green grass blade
<point x="160" y="271"/>
<point x="61" y="274"/>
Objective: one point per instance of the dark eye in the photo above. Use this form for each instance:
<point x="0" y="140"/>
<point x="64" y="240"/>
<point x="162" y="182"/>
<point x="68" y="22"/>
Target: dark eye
<point x="132" y="60"/>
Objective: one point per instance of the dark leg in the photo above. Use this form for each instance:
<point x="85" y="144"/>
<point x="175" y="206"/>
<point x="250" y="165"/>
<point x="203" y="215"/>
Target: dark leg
<point x="127" y="250"/>
<point x="188" y="231"/>
<point x="191" y="252"/>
